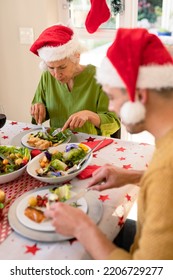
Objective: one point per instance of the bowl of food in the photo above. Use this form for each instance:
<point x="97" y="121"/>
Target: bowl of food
<point x="54" y="165"/>
<point x="13" y="162"/>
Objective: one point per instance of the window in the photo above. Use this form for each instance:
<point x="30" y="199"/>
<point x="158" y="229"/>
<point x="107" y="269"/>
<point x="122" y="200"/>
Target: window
<point x="156" y="15"/>
<point x="100" y="40"/>
<point x="149" y="13"/>
<point x="152" y="14"/>
<point x="78" y="10"/>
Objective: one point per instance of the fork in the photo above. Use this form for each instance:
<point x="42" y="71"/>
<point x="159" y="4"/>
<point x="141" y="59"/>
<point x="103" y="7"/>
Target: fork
<point x="4" y="157"/>
<point x="44" y="129"/>
<point x="82" y="161"/>
<point x="56" y="131"/>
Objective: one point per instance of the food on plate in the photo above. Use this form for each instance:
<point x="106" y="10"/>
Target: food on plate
<point x="13" y="158"/>
<point x="38" y="201"/>
<point x="43" y="141"/>
<point x="34" y="214"/>
<point x="37" y="204"/>
<point x="32" y="201"/>
<point x="56" y="163"/>
<point x="62" y="193"/>
<point x="38" y="143"/>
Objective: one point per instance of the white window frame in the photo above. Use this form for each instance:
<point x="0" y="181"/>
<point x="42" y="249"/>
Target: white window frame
<point x="167" y="10"/>
<point x="126" y="19"/>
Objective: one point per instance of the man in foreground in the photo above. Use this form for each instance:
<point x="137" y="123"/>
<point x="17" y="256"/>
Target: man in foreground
<point x="137" y="75"/>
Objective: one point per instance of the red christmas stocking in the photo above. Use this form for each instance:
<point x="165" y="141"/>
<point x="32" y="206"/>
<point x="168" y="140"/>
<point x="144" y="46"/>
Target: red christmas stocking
<point x="99" y="13"/>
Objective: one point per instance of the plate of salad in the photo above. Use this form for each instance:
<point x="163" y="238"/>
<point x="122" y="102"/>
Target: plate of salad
<point x="53" y="166"/>
<point x="38" y="139"/>
<point x="13" y="162"/>
<point x="30" y="210"/>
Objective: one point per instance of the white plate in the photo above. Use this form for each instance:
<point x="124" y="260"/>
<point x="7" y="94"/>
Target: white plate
<point x="45" y="225"/>
<point x="16" y="140"/>
<point x="24" y="139"/>
<point x="95" y="212"/>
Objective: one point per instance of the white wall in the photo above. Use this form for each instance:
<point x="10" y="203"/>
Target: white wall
<point x="19" y="72"/>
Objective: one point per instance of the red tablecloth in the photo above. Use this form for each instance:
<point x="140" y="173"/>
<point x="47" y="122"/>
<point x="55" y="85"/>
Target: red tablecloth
<point x="13" y="190"/>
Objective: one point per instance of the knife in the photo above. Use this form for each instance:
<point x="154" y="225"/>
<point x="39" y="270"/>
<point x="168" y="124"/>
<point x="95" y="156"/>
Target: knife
<point x="77" y="196"/>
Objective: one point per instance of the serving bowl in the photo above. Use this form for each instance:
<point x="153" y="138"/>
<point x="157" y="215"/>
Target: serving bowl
<point x="34" y="165"/>
<point x="8" y="177"/>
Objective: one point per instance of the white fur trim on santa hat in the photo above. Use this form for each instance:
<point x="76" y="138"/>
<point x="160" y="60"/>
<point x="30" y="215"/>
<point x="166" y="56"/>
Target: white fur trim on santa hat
<point x="106" y="74"/>
<point x="43" y="66"/>
<point x="132" y="112"/>
<point x="155" y="76"/>
<point x="60" y="52"/>
<point x="150" y="76"/>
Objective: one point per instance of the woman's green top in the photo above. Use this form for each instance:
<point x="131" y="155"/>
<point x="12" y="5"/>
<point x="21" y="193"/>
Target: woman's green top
<point x="86" y="94"/>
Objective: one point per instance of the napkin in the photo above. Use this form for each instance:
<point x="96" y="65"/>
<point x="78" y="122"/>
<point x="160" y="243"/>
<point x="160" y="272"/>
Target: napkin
<point x="94" y="143"/>
<point x="87" y="172"/>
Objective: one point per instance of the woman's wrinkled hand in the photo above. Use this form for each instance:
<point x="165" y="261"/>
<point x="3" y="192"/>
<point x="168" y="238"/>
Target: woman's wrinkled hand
<point x="38" y="112"/>
<point x="78" y="119"/>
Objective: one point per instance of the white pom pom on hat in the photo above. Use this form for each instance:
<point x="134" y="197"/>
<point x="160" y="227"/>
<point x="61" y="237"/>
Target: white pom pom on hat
<point x="132" y="112"/>
<point x="136" y="59"/>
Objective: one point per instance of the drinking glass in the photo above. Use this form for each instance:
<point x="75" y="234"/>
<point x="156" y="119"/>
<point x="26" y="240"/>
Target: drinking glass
<point x="2" y="118"/>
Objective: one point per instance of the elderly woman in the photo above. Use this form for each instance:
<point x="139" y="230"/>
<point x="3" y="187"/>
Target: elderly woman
<point x="68" y="93"/>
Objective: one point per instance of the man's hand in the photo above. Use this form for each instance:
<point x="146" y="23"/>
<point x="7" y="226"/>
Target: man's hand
<point x="65" y="218"/>
<point x="109" y="176"/>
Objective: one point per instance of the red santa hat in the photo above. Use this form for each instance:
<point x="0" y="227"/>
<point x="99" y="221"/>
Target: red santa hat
<point x="55" y="43"/>
<point x="136" y="59"/>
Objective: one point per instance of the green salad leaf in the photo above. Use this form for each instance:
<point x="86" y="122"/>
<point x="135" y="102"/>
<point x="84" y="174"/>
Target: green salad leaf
<point x="57" y="163"/>
<point x="13" y="158"/>
<point x="63" y="192"/>
<point x="74" y="155"/>
<point x="59" y="138"/>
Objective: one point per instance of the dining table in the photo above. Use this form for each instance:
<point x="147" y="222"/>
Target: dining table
<point x="109" y="209"/>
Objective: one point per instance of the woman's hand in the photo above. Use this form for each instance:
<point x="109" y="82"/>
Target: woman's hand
<point x="109" y="176"/>
<point x="78" y="119"/>
<point x="38" y="112"/>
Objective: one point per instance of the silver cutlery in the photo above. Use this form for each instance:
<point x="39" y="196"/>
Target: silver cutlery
<point x="56" y="131"/>
<point x="44" y="129"/>
<point x="71" y="200"/>
<point x="77" y="196"/>
<point x="4" y="157"/>
<point x="82" y="161"/>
